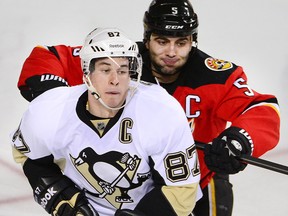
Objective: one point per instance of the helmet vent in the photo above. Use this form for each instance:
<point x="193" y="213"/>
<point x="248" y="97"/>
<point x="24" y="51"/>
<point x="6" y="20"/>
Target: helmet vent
<point x="97" y="49"/>
<point x="133" y="48"/>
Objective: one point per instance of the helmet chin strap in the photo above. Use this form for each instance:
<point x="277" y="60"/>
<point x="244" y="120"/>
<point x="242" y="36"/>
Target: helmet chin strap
<point x="97" y="96"/>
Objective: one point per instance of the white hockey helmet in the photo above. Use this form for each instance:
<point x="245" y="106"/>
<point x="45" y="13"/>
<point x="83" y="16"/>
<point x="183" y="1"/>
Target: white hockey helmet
<point x="109" y="43"/>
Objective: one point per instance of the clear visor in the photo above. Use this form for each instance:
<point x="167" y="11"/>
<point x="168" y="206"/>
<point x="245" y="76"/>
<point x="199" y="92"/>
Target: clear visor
<point x="121" y="64"/>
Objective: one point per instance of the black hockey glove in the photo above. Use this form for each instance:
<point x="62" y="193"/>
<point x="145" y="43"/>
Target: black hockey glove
<point x="221" y="156"/>
<point x="60" y="197"/>
<point x="128" y="212"/>
<point x="37" y="86"/>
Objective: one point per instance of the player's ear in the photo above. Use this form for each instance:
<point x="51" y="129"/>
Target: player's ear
<point x="146" y="45"/>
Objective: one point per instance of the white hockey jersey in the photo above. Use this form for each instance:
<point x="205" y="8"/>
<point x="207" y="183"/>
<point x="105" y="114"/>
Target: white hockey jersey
<point x="149" y="135"/>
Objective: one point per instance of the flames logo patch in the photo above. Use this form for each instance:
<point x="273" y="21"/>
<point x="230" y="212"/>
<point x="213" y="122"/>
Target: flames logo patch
<point x="218" y="64"/>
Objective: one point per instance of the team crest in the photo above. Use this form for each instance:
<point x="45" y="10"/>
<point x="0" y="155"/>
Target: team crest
<point x="110" y="174"/>
<point x="217" y="64"/>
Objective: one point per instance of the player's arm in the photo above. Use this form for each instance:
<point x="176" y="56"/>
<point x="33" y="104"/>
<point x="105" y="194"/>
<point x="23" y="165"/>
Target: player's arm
<point x="174" y="167"/>
<point x="169" y="200"/>
<point x="255" y="125"/>
<point x="49" y="67"/>
<point x="257" y="114"/>
<point x="55" y="192"/>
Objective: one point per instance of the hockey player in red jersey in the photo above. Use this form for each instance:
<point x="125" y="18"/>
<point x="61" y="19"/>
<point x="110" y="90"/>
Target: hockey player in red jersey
<point x="94" y="149"/>
<point x="214" y="94"/>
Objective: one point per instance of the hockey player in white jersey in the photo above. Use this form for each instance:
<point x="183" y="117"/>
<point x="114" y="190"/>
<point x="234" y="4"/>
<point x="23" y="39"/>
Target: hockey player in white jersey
<point x="110" y="145"/>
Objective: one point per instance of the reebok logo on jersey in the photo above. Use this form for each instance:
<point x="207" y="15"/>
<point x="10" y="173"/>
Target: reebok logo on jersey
<point x="217" y="64"/>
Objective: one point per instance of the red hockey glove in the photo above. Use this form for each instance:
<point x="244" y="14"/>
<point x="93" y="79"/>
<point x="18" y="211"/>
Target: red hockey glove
<point x="221" y="156"/>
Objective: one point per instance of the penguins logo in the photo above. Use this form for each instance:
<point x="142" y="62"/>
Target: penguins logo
<point x="110" y="174"/>
<point x="217" y="64"/>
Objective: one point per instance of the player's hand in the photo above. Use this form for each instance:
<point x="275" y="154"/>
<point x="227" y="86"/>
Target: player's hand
<point x="128" y="212"/>
<point x="78" y="205"/>
<point x="84" y="208"/>
<point x="59" y="196"/>
<point x="221" y="156"/>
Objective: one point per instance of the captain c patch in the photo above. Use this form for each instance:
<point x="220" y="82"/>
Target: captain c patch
<point x="217" y="64"/>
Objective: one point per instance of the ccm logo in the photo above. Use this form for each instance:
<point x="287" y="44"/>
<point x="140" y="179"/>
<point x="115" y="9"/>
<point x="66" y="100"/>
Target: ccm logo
<point x="174" y="27"/>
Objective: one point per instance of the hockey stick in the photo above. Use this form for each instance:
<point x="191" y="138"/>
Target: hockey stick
<point x="255" y="161"/>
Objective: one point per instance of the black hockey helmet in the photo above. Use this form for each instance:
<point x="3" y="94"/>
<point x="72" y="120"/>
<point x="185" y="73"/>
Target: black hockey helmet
<point x="170" y="18"/>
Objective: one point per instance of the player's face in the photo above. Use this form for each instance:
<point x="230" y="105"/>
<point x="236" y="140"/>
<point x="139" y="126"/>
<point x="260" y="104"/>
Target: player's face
<point x="111" y="79"/>
<point x="168" y="54"/>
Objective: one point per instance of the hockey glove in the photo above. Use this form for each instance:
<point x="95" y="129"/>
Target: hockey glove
<point x="128" y="212"/>
<point x="40" y="83"/>
<point x="60" y="197"/>
<point x="221" y="156"/>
